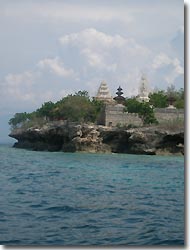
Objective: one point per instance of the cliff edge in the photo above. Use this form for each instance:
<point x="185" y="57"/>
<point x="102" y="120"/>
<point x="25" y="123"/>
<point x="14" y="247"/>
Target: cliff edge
<point x="72" y="137"/>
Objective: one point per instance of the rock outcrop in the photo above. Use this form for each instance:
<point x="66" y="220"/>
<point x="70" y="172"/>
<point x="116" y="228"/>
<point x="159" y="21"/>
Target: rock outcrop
<point x="72" y="137"/>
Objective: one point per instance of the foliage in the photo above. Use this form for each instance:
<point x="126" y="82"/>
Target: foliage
<point x="132" y="105"/>
<point x="46" y="110"/>
<point x="144" y="110"/>
<point x="158" y="99"/>
<point x="83" y="93"/>
<point x="74" y="108"/>
<point x="78" y="107"/>
<point x="18" y="119"/>
<point x="180" y="99"/>
<point x="177" y="96"/>
<point x="36" y="121"/>
<point x="81" y="108"/>
<point x="147" y="113"/>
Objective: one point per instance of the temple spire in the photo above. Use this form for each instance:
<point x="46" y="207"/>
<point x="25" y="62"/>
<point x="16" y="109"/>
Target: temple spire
<point x="104" y="93"/>
<point x="119" y="98"/>
<point x="143" y="90"/>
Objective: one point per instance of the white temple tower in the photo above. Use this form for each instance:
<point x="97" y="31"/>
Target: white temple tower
<point x="143" y="90"/>
<point x="104" y="93"/>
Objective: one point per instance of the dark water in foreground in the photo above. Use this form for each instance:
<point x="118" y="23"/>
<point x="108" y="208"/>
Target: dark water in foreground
<point x="90" y="199"/>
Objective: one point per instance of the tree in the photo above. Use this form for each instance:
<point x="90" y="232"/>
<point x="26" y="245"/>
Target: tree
<point x="158" y="99"/>
<point x="180" y="99"/>
<point x="18" y="119"/>
<point x="132" y="105"/>
<point x="143" y="109"/>
<point x="147" y="114"/>
<point x="82" y="93"/>
<point x="77" y="107"/>
<point x="46" y="110"/>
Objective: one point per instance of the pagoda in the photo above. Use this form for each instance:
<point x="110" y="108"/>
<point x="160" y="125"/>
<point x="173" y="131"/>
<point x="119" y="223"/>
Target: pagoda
<point x="119" y="98"/>
<point x="104" y="93"/>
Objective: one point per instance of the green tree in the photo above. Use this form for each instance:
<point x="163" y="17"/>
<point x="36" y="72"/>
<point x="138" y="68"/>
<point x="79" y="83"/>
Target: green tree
<point x="143" y="109"/>
<point x="46" y="110"/>
<point x="77" y="107"/>
<point x="132" y="105"/>
<point x="18" y="119"/>
<point x="82" y="93"/>
<point x="180" y="99"/>
<point x="147" y="114"/>
<point x="158" y="99"/>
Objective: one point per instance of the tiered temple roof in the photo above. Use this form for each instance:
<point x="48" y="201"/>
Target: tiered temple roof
<point x="119" y="98"/>
<point x="104" y="93"/>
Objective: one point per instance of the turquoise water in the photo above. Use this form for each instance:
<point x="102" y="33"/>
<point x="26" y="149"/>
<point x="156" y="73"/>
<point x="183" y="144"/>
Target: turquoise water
<point x="90" y="199"/>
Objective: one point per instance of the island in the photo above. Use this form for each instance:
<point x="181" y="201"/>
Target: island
<point x="103" y="124"/>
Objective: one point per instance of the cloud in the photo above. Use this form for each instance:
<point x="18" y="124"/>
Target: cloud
<point x="25" y="90"/>
<point x="18" y="86"/>
<point x="163" y="60"/>
<point x="169" y="67"/>
<point x="97" y="60"/>
<point x="17" y="79"/>
<point x="92" y="38"/>
<point x="62" y="11"/>
<point x="177" y="44"/>
<point x="55" y="66"/>
<point x="103" y="51"/>
<point x="121" y="60"/>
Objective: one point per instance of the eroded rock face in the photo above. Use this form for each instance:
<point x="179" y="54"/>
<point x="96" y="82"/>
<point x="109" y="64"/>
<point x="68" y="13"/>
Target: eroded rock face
<point x="71" y="137"/>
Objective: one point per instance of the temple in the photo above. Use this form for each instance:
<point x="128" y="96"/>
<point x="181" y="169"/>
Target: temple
<point x="104" y="93"/>
<point x="143" y="90"/>
<point x="113" y="112"/>
<point x="119" y="98"/>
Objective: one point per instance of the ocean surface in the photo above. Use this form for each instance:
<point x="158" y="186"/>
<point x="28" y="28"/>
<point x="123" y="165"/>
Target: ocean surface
<point x="90" y="199"/>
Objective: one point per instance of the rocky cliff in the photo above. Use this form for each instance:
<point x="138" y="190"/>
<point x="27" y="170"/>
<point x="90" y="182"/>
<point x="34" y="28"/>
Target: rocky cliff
<point x="72" y="137"/>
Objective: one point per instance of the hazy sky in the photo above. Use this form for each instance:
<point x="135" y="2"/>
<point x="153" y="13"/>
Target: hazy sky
<point x="49" y="49"/>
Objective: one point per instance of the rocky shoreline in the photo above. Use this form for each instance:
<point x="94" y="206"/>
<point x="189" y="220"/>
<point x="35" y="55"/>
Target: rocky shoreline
<point x="72" y="137"/>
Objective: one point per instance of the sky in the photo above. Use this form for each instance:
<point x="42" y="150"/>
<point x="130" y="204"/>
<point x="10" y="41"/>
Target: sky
<point x="49" y="49"/>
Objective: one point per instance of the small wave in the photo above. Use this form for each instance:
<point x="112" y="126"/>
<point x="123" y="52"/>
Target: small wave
<point x="65" y="209"/>
<point x="171" y="242"/>
<point x="125" y="166"/>
<point x="36" y="205"/>
<point x="88" y="226"/>
<point x="26" y="214"/>
<point x="10" y="242"/>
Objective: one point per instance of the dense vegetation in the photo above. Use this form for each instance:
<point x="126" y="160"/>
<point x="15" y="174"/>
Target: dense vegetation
<point x="81" y="108"/>
<point x="159" y="99"/>
<point x="143" y="109"/>
<point x="78" y="107"/>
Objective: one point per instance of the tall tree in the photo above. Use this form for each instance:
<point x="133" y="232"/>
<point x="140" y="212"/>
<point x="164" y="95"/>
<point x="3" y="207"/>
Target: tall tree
<point x="158" y="99"/>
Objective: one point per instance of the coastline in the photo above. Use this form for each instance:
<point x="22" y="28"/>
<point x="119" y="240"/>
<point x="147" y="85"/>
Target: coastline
<point x="91" y="138"/>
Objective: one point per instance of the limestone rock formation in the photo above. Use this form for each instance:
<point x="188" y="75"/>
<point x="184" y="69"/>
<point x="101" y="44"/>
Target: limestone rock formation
<point x="72" y="137"/>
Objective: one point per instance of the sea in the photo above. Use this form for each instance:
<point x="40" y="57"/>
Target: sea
<point x="83" y="199"/>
